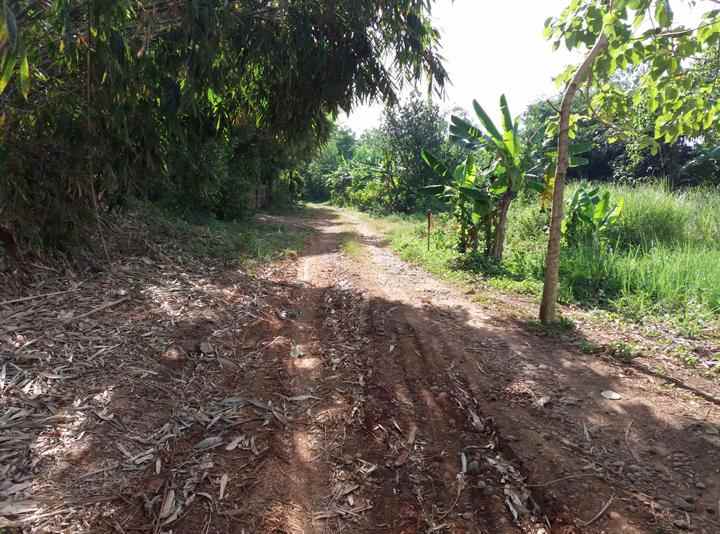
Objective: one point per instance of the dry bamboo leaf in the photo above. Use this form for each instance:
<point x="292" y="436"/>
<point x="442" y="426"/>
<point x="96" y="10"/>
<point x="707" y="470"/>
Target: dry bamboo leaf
<point x="172" y="518"/>
<point x="18" y="507"/>
<point x="225" y="362"/>
<point x="301" y="398"/>
<point x="12" y="489"/>
<point x="123" y="450"/>
<point x="411" y="436"/>
<point x="235" y="442"/>
<point x="209" y="443"/>
<point x="74" y="318"/>
<point x="33" y="297"/>
<point x="168" y="504"/>
<point x="223" y="485"/>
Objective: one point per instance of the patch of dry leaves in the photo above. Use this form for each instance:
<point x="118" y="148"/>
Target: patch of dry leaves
<point x="114" y="389"/>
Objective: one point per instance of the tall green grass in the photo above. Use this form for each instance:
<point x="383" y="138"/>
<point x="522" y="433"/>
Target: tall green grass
<point x="662" y="258"/>
<point x="654" y="215"/>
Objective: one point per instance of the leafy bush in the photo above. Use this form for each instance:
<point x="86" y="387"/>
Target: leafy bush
<point x="369" y="196"/>
<point x="590" y="215"/>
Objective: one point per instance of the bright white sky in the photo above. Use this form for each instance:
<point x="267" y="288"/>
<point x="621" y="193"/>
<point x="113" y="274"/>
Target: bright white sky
<point x="490" y="48"/>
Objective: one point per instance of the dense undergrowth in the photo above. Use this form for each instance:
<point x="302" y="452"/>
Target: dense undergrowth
<point x="204" y="105"/>
<point x="661" y="260"/>
<point x="244" y="242"/>
<point x="147" y="230"/>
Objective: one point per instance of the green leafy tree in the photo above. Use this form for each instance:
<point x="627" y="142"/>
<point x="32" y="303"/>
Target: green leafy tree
<point x="495" y="185"/>
<point x="408" y="128"/>
<point x="621" y="34"/>
<point x="187" y="103"/>
<point x="331" y="157"/>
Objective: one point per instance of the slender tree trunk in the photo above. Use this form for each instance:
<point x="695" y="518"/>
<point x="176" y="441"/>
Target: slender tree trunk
<point x="269" y="192"/>
<point x="501" y="228"/>
<point x="552" y="261"/>
<point x="489" y="224"/>
<point x="474" y="238"/>
<point x="463" y="235"/>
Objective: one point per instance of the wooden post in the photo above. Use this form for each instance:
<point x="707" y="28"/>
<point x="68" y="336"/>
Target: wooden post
<point x="429" y="218"/>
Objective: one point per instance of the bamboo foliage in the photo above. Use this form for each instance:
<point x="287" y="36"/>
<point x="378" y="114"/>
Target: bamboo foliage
<point x="117" y="98"/>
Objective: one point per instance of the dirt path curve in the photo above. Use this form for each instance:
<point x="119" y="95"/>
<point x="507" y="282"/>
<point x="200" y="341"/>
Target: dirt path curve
<point x="341" y="390"/>
<point x="468" y="422"/>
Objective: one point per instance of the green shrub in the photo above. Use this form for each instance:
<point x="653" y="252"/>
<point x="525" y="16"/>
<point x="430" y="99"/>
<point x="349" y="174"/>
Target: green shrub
<point x="370" y="196"/>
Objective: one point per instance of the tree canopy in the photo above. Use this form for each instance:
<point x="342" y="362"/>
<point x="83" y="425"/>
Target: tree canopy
<point x="187" y="100"/>
<point x="672" y="84"/>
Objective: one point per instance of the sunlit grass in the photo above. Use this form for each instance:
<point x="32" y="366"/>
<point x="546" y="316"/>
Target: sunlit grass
<point x="661" y="260"/>
<point x="351" y="246"/>
<point x="244" y="242"/>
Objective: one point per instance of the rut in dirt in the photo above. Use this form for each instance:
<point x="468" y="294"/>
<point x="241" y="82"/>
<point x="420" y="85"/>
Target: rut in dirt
<point x="435" y="462"/>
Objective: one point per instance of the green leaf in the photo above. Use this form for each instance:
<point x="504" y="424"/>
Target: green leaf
<point x="8" y="67"/>
<point x="4" y="34"/>
<point x="548" y="31"/>
<point x="11" y="27"/>
<point x="459" y="173"/>
<point x="537" y="186"/>
<point x="663" y="13"/>
<point x="438" y="188"/>
<point x="601" y="208"/>
<point x="435" y="164"/>
<point x="482" y="208"/>
<point x="578" y="161"/>
<point x="487" y="123"/>
<point x="579" y="148"/>
<point x="462" y="130"/>
<point x="507" y="118"/>
<point x="24" y="79"/>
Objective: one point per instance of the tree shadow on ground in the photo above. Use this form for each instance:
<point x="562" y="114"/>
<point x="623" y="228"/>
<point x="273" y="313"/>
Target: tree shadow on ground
<point x="297" y="403"/>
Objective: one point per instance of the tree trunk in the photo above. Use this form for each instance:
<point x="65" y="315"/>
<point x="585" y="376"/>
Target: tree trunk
<point x="489" y="235"/>
<point x="269" y="193"/>
<point x="498" y="245"/>
<point x="552" y="261"/>
<point x="462" y="245"/>
<point x="474" y="238"/>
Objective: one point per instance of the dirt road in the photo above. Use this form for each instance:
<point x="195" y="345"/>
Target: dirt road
<point x="341" y="390"/>
<point x="477" y="425"/>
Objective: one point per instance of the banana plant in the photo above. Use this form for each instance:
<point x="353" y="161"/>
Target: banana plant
<point x="493" y="187"/>
<point x="590" y="214"/>
<point x="464" y="191"/>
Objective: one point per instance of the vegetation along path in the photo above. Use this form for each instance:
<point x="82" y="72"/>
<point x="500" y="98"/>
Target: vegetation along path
<point x="339" y="390"/>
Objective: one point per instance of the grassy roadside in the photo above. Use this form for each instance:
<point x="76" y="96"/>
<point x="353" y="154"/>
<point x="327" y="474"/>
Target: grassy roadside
<point x="660" y="274"/>
<point x="248" y="243"/>
<point x="662" y="260"/>
<point x="407" y="235"/>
